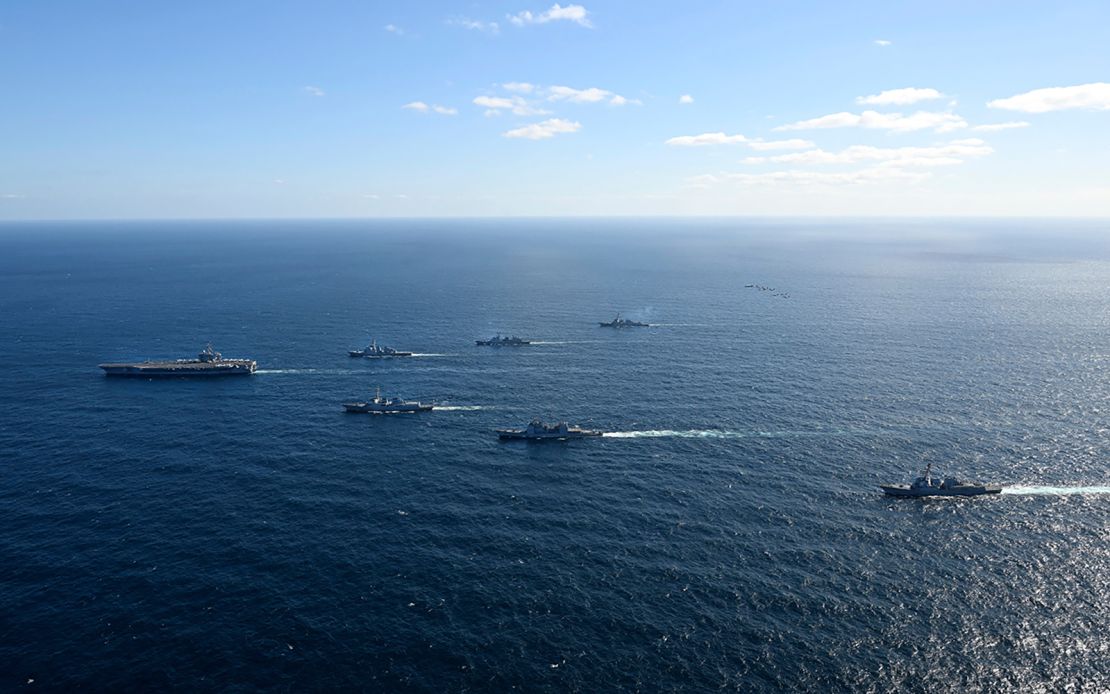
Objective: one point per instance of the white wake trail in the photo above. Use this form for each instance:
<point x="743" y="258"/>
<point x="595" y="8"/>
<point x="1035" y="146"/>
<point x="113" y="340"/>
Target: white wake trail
<point x="565" y="342"/>
<point x="326" y="372"/>
<point x="715" y="434"/>
<point x="1054" y="491"/>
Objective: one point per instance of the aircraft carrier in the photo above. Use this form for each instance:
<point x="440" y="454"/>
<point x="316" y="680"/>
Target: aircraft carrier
<point x="208" y="363"/>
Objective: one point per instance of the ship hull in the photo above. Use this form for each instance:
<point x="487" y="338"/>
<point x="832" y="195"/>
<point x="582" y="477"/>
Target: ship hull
<point x="191" y="371"/>
<point x="904" y="490"/>
<point x="366" y="408"/>
<point x="380" y="356"/>
<point x="521" y="436"/>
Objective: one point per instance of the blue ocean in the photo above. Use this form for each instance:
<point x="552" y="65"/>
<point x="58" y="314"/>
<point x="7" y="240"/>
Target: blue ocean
<point x="727" y="533"/>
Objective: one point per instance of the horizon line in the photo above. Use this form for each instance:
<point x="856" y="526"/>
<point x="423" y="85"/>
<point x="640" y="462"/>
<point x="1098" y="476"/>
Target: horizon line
<point x="604" y="217"/>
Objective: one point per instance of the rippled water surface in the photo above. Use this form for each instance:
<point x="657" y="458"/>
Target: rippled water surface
<point x="726" y="533"/>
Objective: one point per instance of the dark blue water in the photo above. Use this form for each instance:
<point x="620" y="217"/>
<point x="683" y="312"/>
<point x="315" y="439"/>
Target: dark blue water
<point x="246" y="534"/>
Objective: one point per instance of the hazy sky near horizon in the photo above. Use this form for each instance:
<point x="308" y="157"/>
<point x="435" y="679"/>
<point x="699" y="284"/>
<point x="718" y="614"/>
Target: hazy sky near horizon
<point x="357" y="109"/>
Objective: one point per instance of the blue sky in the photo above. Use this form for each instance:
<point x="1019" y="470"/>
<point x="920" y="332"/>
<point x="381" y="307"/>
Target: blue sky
<point x="356" y="109"/>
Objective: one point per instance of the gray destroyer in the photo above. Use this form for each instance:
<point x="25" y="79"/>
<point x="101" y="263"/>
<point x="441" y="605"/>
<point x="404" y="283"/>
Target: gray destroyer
<point x="380" y="405"/>
<point x="207" y="364"/>
<point x="538" y="431"/>
<point x="927" y="485"/>
<point x="619" y="322"/>
<point x="376" y="351"/>
<point x="500" y="341"/>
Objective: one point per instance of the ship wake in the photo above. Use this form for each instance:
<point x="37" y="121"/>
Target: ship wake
<point x="460" y="408"/>
<point x="325" y="372"/>
<point x="1054" y="491"/>
<point x="565" y="342"/>
<point x="716" y="434"/>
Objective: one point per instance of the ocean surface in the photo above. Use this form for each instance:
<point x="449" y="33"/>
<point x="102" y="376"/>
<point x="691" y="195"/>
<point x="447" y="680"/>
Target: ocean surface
<point x="726" y="534"/>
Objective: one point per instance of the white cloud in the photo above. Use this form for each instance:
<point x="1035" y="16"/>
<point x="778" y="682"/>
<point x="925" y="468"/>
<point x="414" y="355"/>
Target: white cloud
<point x="578" y="96"/>
<point x="765" y="145"/>
<point x="517" y="104"/>
<point x="833" y="120"/>
<point x="476" y="25"/>
<point x="1095" y="96"/>
<point x="571" y="13"/>
<point x="522" y="106"/>
<point x="703" y="181"/>
<point x="314" y="91"/>
<point x="883" y="42"/>
<point x="887" y="164"/>
<point x="994" y="127"/>
<point x="544" y="130"/>
<point x="868" y="175"/>
<point x="424" y="108"/>
<point x="372" y="196"/>
<point x="941" y="122"/>
<point x="12" y="196"/>
<point x="592" y="95"/>
<point x="922" y="120"/>
<point x="394" y="29"/>
<point x="619" y="100"/>
<point x="899" y="97"/>
<point x="705" y="139"/>
<point x="685" y="99"/>
<point x="954" y="152"/>
<point x="874" y="174"/>
<point x="494" y="102"/>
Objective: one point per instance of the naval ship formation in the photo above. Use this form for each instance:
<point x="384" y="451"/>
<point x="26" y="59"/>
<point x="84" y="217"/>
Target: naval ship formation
<point x="211" y="363"/>
<point x="208" y="363"/>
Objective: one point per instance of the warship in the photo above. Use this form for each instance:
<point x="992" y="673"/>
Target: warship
<point x="380" y="405"/>
<point x="538" y="431"/>
<point x="376" y="351"/>
<point x="619" y="322"/>
<point x="208" y="363"/>
<point x="927" y="485"/>
<point x="503" y="341"/>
